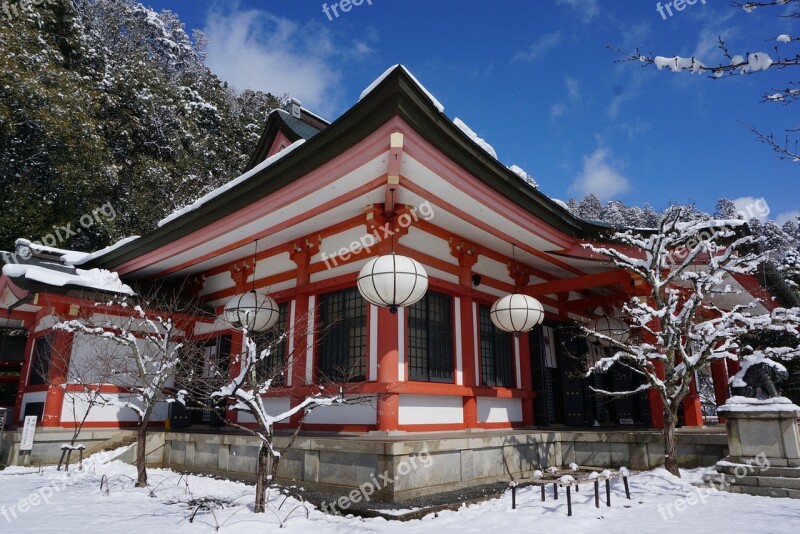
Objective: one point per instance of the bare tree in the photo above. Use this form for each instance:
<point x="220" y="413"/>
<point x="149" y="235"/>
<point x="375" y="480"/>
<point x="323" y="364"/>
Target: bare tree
<point x="138" y="341"/>
<point x="681" y="325"/>
<point x="786" y="146"/>
<point x="262" y="368"/>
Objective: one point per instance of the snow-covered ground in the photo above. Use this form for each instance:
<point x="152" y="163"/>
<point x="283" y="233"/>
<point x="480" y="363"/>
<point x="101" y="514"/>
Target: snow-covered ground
<point x="53" y="502"/>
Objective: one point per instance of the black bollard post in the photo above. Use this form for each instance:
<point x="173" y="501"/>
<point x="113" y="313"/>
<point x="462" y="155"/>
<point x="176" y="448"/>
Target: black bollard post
<point x="555" y="491"/>
<point x="514" y="497"/>
<point x="608" y="492"/>
<point x="627" y="489"/>
<point x="569" y="503"/>
<point x="543" y="493"/>
<point x="596" y="493"/>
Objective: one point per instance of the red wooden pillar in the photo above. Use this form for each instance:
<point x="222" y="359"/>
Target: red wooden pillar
<point x="466" y="260"/>
<point x="656" y="406"/>
<point x="692" y="412"/>
<point x="59" y="367"/>
<point x="388" y="375"/>
<point x="304" y="321"/>
<point x="25" y="371"/>
<point x="468" y="361"/>
<point x="719" y="375"/>
<point x="527" y="378"/>
<point x="733" y="367"/>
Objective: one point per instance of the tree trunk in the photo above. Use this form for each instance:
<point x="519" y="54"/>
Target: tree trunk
<point x="141" y="457"/>
<point x="273" y="471"/>
<point x="670" y="446"/>
<point x="262" y="472"/>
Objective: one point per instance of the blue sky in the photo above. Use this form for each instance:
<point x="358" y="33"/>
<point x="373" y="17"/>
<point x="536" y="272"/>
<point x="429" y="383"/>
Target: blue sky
<point x="536" y="80"/>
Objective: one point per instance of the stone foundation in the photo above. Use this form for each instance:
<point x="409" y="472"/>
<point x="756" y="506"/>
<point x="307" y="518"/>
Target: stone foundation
<point x="420" y="465"/>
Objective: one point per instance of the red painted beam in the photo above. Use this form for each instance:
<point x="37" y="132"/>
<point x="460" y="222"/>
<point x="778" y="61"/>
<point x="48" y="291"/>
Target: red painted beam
<point x="578" y="282"/>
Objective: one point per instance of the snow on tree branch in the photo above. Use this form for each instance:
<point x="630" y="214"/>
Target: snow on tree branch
<point x="680" y="324"/>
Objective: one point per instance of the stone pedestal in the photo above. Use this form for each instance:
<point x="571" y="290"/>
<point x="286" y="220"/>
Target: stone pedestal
<point x="766" y="428"/>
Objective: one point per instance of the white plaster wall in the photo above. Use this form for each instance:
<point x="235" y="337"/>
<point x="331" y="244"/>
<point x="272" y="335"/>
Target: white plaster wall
<point x="217" y="282"/>
<point x="111" y="412"/>
<point x="494" y="410"/>
<point x="430" y="409"/>
<point x="344" y="414"/>
<point x="86" y="350"/>
<point x="273" y="405"/>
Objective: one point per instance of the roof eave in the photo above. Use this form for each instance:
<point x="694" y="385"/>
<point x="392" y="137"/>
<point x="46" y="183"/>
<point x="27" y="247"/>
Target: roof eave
<point x="397" y="95"/>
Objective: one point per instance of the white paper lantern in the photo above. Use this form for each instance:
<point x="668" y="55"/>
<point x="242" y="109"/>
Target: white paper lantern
<point x="610" y="327"/>
<point x="255" y="311"/>
<point x="392" y="281"/>
<point x="517" y="313"/>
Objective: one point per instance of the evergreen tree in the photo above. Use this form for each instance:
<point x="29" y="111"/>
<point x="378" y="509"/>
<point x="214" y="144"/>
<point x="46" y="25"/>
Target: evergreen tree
<point x="108" y="101"/>
<point x="590" y="208"/>
<point x="725" y="209"/>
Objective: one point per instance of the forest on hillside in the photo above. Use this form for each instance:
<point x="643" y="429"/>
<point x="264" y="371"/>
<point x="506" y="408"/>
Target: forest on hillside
<point x="108" y="103"/>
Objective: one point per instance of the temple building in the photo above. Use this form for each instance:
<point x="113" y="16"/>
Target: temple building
<point x="317" y="201"/>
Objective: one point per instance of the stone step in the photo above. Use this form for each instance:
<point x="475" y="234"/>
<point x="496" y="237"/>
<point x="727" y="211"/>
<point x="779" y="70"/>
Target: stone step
<point x="765" y="486"/>
<point x="755" y="470"/>
<point x="764" y="492"/>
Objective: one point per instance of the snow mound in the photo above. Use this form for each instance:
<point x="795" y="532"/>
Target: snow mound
<point x="390" y="70"/>
<point x="230" y="185"/>
<point x="747" y="404"/>
<point x="489" y="149"/>
<point x="98" y="279"/>
<point x="79" y="258"/>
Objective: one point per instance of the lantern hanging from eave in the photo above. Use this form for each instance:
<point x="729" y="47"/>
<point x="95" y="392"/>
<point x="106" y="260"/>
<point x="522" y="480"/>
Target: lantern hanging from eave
<point x="611" y="327"/>
<point x="252" y="310"/>
<point x="517" y="313"/>
<point x="392" y="281"/>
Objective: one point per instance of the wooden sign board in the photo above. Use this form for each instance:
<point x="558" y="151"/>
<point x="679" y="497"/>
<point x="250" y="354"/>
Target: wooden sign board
<point x="28" y="433"/>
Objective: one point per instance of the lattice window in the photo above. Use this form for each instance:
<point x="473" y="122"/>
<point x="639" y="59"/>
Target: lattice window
<point x="40" y="366"/>
<point x="343" y="343"/>
<point x="430" y="339"/>
<point x="497" y="353"/>
<point x="274" y="365"/>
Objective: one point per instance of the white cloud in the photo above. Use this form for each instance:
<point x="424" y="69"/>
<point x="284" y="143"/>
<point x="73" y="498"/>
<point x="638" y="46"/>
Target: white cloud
<point x="539" y="47"/>
<point x="600" y="176"/>
<point x="588" y="9"/>
<point x="752" y="207"/>
<point x="258" y="50"/>
<point x="782" y="218"/>
<point x="571" y="100"/>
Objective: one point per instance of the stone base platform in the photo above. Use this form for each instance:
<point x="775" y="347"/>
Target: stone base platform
<point x="764" y="482"/>
<point x="405" y="466"/>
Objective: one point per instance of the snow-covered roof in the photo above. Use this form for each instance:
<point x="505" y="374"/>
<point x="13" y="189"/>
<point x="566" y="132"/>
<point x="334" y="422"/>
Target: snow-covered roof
<point x="96" y="279"/>
<point x="230" y="185"/>
<point x="51" y="266"/>
<point x="390" y="70"/>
